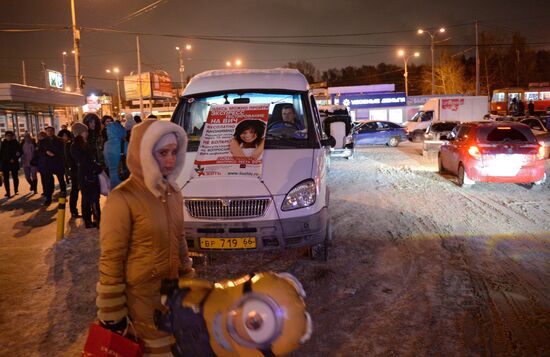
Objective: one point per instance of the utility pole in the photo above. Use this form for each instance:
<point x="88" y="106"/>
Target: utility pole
<point x="64" y="54"/>
<point x="119" y="97"/>
<point x="182" y="67"/>
<point x="139" y="78"/>
<point x="76" y="48"/>
<point x="433" y="71"/>
<point x="517" y="68"/>
<point x="24" y="73"/>
<point x="477" y="62"/>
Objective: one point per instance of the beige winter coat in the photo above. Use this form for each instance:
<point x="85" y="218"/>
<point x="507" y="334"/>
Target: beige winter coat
<point x="141" y="237"/>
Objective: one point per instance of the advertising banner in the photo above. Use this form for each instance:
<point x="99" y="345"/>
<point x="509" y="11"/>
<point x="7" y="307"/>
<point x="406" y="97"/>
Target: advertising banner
<point x="131" y="86"/>
<point x="162" y="85"/>
<point x="452" y="104"/>
<point x="232" y="141"/>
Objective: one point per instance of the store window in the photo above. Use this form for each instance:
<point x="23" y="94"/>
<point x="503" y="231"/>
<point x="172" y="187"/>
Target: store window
<point x="545" y="95"/>
<point x="3" y="124"/>
<point x="378" y="114"/>
<point x="396" y="115"/>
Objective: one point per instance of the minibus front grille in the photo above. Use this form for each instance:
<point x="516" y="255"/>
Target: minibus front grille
<point x="227" y="208"/>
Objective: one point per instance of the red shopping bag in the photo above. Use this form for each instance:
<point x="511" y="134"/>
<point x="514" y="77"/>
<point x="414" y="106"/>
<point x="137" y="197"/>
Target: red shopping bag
<point x="102" y="342"/>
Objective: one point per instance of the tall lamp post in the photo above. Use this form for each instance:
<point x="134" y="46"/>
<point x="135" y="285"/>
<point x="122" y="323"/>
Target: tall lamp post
<point x="401" y="53"/>
<point x="432" y="37"/>
<point x="115" y="71"/>
<point x="64" y="57"/>
<point x="64" y="54"/>
<point x="182" y="67"/>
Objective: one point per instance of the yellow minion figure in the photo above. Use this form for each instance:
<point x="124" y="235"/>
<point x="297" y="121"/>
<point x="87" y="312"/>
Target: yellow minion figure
<point x="259" y="314"/>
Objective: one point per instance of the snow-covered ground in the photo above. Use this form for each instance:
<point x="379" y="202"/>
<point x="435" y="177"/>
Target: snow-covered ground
<point x="418" y="266"/>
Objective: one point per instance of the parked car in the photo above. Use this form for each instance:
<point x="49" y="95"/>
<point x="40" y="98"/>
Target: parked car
<point x="493" y="152"/>
<point x="435" y="135"/>
<point x="538" y="126"/>
<point x="374" y="132"/>
<point x="245" y="207"/>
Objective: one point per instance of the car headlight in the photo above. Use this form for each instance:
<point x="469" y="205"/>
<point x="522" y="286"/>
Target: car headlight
<point x="300" y="196"/>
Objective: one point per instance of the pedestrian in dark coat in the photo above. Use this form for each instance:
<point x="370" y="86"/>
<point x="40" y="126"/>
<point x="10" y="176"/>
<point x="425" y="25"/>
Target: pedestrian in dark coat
<point x="88" y="170"/>
<point x="29" y="165"/>
<point x="40" y="160"/>
<point x="521" y="108"/>
<point x="531" y="108"/>
<point x="71" y="170"/>
<point x="10" y="153"/>
<point x="54" y="157"/>
<point x="94" y="136"/>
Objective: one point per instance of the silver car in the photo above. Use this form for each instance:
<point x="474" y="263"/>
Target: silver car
<point x="538" y="127"/>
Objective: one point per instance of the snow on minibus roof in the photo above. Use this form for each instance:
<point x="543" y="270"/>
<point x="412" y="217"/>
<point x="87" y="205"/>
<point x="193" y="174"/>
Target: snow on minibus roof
<point x="234" y="79"/>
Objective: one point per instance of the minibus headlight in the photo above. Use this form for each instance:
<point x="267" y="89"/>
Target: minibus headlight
<point x="302" y="195"/>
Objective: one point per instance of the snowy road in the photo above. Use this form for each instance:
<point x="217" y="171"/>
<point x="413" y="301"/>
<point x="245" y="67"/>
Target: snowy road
<point x="418" y="267"/>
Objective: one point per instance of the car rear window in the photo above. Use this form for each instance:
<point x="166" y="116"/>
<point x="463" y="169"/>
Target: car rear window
<point x="443" y="126"/>
<point x="496" y="134"/>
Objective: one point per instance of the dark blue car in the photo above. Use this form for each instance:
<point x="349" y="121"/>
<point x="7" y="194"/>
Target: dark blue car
<point x="379" y="133"/>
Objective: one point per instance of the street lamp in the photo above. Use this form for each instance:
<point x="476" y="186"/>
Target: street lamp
<point x="115" y="71"/>
<point x="432" y="36"/>
<point x="182" y="67"/>
<point x="401" y="53"/>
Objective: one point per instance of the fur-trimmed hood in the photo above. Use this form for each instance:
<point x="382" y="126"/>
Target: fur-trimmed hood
<point x="142" y="163"/>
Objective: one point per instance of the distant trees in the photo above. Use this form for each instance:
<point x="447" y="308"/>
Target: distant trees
<point x="516" y="64"/>
<point x="307" y="69"/>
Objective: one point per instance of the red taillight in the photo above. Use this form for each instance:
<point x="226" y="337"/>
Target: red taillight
<point x="474" y="152"/>
<point x="541" y="152"/>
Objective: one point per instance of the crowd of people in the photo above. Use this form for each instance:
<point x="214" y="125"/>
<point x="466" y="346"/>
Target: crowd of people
<point x="76" y="156"/>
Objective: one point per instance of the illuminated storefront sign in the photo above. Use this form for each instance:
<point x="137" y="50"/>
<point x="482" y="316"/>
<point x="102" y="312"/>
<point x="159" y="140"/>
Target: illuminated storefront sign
<point x="55" y="79"/>
<point x="355" y="101"/>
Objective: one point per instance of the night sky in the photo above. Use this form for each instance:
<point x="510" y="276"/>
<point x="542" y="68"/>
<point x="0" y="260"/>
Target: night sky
<point x="398" y="20"/>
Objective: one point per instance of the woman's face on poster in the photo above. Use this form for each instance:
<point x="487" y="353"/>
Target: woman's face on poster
<point x="249" y="135"/>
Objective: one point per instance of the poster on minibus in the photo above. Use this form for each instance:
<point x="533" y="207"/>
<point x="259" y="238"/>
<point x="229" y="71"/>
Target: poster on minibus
<point x="232" y="143"/>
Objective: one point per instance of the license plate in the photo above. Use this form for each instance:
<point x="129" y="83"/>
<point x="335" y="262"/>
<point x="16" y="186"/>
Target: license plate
<point x="228" y="243"/>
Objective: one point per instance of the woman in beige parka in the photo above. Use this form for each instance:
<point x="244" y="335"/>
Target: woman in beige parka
<point x="141" y="234"/>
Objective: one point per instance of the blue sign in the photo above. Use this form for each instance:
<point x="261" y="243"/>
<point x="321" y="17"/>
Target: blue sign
<point x="378" y="100"/>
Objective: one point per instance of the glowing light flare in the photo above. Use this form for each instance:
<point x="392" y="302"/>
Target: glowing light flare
<point x="474" y="152"/>
<point x="442" y="30"/>
<point x="238" y="62"/>
<point x="541" y="152"/>
<point x="401" y="53"/>
<point x="420" y="31"/>
<point x="188" y="47"/>
<point x="416" y="54"/>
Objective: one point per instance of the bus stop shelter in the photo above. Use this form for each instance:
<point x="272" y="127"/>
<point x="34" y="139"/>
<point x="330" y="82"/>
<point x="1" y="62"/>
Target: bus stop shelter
<point x="26" y="108"/>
